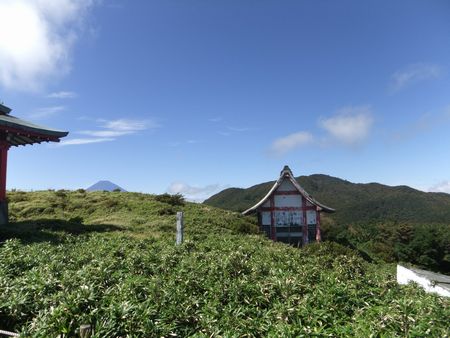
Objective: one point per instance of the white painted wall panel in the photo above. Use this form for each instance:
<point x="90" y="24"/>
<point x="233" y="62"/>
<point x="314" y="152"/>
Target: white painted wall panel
<point x="286" y="218"/>
<point x="288" y="201"/>
<point x="311" y="217"/>
<point x="265" y="218"/>
<point x="286" y="185"/>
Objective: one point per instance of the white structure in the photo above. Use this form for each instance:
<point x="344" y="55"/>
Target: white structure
<point x="430" y="281"/>
<point x="288" y="213"/>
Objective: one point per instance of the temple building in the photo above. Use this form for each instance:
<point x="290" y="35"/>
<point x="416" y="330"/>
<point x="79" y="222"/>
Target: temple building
<point x="17" y="132"/>
<point x="288" y="213"/>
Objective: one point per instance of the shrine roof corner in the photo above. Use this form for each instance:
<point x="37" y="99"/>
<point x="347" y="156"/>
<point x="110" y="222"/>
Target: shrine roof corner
<point x="20" y="132"/>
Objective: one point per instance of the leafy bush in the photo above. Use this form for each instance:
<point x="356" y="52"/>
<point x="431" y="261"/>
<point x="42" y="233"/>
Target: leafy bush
<point x="61" y="193"/>
<point x="17" y="196"/>
<point x="426" y="245"/>
<point x="174" y="200"/>
<point x="221" y="285"/>
<point x="110" y="203"/>
<point x="167" y="210"/>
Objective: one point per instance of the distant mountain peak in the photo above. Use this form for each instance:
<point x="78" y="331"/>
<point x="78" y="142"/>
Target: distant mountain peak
<point x="105" y="185"/>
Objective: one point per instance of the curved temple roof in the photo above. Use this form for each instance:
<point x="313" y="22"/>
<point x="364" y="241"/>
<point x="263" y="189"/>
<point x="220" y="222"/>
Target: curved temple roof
<point x="20" y="132"/>
<point x="286" y="173"/>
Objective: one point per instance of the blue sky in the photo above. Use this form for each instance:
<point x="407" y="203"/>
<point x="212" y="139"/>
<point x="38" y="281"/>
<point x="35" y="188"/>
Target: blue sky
<point x="195" y="96"/>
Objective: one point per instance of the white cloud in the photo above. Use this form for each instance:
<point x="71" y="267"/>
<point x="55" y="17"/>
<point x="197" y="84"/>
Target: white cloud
<point x="197" y="194"/>
<point x="45" y="112"/>
<point x="78" y="141"/>
<point x="414" y="73"/>
<point x="105" y="133"/>
<point x="62" y="95"/>
<point x="215" y="119"/>
<point x="36" y="40"/>
<point x="443" y="186"/>
<point x="350" y="125"/>
<point x="112" y="129"/>
<point x="285" y="144"/>
<point x="129" y="125"/>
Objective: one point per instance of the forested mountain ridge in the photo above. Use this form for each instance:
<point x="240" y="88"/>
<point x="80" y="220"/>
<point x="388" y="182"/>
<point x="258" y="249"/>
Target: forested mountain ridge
<point x="354" y="202"/>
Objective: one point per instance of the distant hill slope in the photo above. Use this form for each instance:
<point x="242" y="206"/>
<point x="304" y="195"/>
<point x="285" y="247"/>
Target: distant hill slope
<point x="105" y="186"/>
<point x="353" y="202"/>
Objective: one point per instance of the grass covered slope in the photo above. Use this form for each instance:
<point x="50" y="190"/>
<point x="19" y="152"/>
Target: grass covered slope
<point x="353" y="202"/>
<point x="132" y="213"/>
<point x="109" y="259"/>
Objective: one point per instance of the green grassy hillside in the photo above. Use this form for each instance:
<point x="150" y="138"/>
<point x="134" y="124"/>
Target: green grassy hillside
<point x="353" y="202"/>
<point x="130" y="213"/>
<point x="109" y="260"/>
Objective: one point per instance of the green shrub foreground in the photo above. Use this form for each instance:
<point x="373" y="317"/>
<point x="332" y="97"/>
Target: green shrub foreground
<point x="132" y="280"/>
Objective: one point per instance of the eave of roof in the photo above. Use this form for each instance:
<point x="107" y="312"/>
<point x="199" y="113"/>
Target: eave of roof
<point x="21" y="132"/>
<point x="287" y="174"/>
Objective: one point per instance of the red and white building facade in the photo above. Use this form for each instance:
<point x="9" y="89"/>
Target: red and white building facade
<point x="288" y="213"/>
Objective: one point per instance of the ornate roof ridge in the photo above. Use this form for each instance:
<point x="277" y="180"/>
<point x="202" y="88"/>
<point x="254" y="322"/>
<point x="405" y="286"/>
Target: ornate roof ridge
<point x="286" y="173"/>
<point x="4" y="110"/>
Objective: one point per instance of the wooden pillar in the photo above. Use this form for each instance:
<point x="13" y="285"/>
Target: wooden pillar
<point x="4" y="146"/>
<point x="3" y="162"/>
<point x="180" y="227"/>
<point x="272" y="218"/>
<point x="318" y="235"/>
<point x="305" y="222"/>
